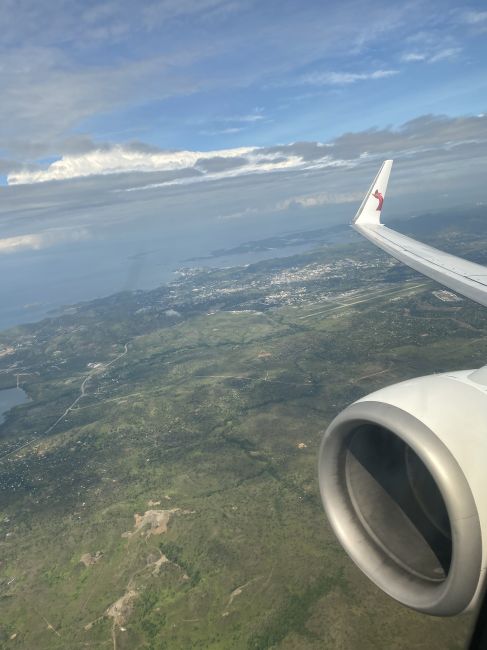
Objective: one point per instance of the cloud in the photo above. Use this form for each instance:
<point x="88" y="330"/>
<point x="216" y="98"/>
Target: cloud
<point x="322" y="198"/>
<point x="423" y="134"/>
<point x="255" y="116"/>
<point x="299" y="201"/>
<point x="413" y="56"/>
<point x="447" y="53"/>
<point x="50" y="94"/>
<point x="298" y="185"/>
<point x="258" y="162"/>
<point x="344" y="78"/>
<point x="228" y="130"/>
<point x="70" y="66"/>
<point x="38" y="241"/>
<point x="91" y="23"/>
<point x="252" y="117"/>
<point x="156" y="14"/>
<point x="241" y="214"/>
<point x="220" y="163"/>
<point x="475" y="17"/>
<point x="207" y="165"/>
<point x="164" y="168"/>
<point x="118" y="159"/>
<point x="232" y="124"/>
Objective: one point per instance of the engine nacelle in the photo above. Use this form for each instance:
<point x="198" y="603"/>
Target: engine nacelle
<point x="403" y="479"/>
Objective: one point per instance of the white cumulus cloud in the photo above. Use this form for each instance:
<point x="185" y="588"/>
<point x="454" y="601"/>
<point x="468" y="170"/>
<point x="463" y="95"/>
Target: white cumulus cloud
<point x="122" y="159"/>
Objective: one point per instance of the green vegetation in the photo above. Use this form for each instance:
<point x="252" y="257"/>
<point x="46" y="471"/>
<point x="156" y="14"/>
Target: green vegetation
<point x="211" y="415"/>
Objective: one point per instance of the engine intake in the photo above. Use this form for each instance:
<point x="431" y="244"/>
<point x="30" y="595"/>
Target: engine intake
<point x="403" y="479"/>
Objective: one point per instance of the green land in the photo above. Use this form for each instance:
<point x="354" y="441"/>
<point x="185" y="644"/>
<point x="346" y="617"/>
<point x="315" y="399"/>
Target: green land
<point x="199" y="407"/>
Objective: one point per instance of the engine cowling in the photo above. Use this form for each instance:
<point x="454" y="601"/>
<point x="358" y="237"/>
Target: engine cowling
<point x="403" y="479"/>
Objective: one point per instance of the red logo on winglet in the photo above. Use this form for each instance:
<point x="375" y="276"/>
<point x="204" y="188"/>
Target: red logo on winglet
<point x="380" y="198"/>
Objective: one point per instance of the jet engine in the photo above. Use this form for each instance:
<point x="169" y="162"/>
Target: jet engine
<point x="403" y="479"/>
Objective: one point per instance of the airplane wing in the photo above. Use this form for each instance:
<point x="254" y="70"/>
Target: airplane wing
<point x="467" y="278"/>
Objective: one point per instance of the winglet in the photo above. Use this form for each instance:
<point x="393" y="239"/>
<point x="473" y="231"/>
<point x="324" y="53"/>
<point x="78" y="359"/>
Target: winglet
<point x="371" y="207"/>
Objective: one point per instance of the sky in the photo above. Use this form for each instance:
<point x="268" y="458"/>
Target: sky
<point x="203" y="75"/>
<point x="124" y="122"/>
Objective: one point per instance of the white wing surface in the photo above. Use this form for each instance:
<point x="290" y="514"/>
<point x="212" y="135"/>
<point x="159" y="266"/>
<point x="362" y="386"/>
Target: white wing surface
<point x="467" y="278"/>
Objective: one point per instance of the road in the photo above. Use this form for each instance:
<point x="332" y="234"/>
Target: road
<point x="82" y="393"/>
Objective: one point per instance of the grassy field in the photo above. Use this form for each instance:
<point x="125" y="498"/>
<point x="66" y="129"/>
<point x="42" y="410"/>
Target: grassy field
<point x="212" y="420"/>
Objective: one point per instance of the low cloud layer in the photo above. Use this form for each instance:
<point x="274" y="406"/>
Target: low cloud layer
<point x="322" y="198"/>
<point x="415" y="138"/>
<point x="206" y="165"/>
<point x="38" y="241"/>
<point x="134" y="189"/>
<point x="119" y="159"/>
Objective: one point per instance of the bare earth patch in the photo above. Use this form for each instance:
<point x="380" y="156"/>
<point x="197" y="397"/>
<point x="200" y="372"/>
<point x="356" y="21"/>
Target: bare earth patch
<point x="122" y="608"/>
<point x="155" y="522"/>
<point x="158" y="563"/>
<point x="89" y="560"/>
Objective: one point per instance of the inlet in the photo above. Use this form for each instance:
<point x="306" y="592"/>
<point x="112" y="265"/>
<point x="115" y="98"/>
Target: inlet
<point x="398" y="502"/>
